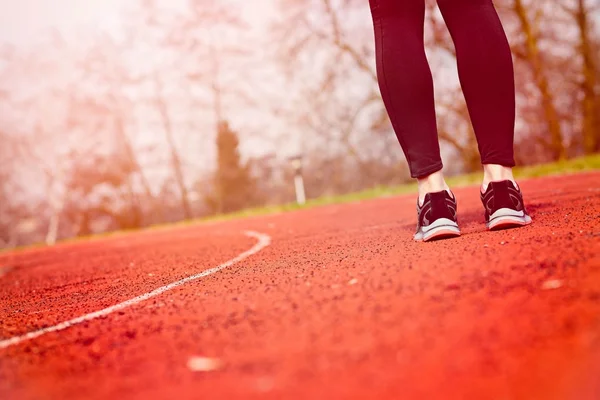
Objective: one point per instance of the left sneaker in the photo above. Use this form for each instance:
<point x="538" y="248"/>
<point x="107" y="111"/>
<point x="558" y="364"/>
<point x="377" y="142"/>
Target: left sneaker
<point x="504" y="207"/>
<point x="436" y="218"/>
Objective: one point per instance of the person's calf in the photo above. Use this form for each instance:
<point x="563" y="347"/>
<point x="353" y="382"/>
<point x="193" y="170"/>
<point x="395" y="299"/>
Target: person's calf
<point x="496" y="173"/>
<point x="430" y="184"/>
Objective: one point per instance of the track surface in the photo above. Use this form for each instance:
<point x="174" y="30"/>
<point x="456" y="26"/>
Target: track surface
<point x="341" y="304"/>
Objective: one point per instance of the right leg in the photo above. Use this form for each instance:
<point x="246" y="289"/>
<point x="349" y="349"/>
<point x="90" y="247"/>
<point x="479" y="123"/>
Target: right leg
<point x="406" y="87"/>
<point x="487" y="78"/>
<point x="486" y="74"/>
<point x="405" y="81"/>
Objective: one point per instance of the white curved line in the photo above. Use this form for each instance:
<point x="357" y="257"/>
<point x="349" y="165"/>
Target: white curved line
<point x="263" y="241"/>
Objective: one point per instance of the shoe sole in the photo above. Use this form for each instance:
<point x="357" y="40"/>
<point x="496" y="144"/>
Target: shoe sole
<point x="443" y="228"/>
<point x="505" y="218"/>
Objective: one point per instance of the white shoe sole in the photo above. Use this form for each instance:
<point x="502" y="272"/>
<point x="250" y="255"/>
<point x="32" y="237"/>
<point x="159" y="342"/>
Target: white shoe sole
<point x="443" y="228"/>
<point x="506" y="218"/>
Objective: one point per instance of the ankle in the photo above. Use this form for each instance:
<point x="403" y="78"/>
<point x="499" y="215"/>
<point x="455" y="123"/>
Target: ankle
<point x="431" y="183"/>
<point x="495" y="173"/>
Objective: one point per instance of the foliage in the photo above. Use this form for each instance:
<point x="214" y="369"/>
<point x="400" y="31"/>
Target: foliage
<point x="234" y="188"/>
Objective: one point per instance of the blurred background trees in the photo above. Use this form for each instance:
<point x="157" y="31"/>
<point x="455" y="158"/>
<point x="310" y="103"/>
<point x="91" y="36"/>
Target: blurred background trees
<point x="192" y="108"/>
<point x="233" y="186"/>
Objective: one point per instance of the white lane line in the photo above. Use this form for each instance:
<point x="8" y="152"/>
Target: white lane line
<point x="263" y="241"/>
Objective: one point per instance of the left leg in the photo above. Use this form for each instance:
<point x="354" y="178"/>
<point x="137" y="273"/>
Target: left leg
<point x="486" y="75"/>
<point x="487" y="78"/>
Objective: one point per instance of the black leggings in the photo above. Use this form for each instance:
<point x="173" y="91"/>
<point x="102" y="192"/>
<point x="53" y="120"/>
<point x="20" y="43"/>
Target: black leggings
<point x="485" y="70"/>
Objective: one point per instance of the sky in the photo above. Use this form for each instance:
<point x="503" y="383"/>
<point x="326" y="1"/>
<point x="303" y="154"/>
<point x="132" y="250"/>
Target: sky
<point x="23" y="22"/>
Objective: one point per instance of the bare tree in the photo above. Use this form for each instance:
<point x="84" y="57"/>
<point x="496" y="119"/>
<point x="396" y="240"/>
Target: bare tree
<point x="104" y="63"/>
<point x="161" y="106"/>
<point x="323" y="54"/>
<point x="588" y="51"/>
<point x="533" y="56"/>
<point x="151" y="27"/>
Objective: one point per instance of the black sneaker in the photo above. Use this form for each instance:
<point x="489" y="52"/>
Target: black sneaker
<point x="436" y="219"/>
<point x="504" y="207"/>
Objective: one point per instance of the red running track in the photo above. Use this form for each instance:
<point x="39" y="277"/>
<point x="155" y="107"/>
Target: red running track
<point x="341" y="304"/>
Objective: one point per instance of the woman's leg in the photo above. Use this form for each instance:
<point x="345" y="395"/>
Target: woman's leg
<point x="405" y="81"/>
<point x="486" y="75"/>
<point x="406" y="87"/>
<point x="487" y="78"/>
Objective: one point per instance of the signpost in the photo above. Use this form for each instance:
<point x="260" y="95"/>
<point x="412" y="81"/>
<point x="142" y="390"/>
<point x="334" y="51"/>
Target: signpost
<point x="296" y="162"/>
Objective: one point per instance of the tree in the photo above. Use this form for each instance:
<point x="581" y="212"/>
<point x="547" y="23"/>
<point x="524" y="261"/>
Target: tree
<point x="234" y="188"/>
<point x="533" y="55"/>
<point x="591" y="99"/>
<point x="332" y="103"/>
<point x="152" y="27"/>
<point x="103" y="65"/>
<point x="100" y="192"/>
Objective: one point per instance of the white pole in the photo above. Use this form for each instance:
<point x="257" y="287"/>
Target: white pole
<point x="56" y="205"/>
<point x="298" y="181"/>
<point x="300" y="194"/>
<point x="52" y="229"/>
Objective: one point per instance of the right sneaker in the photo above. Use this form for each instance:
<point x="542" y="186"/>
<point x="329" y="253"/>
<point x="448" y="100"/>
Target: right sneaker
<point x="504" y="207"/>
<point x="436" y="218"/>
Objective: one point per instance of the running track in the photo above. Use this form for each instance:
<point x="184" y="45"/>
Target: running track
<point x="332" y="302"/>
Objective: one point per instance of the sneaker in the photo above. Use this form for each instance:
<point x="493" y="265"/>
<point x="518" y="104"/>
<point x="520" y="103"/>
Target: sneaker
<point x="436" y="219"/>
<point x="504" y="207"/>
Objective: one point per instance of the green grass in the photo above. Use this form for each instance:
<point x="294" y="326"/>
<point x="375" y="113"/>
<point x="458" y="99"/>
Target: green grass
<point x="588" y="163"/>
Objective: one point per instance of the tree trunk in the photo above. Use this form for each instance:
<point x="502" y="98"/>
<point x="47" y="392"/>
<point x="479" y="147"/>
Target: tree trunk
<point x="533" y="58"/>
<point x="175" y="159"/>
<point x="126" y="143"/>
<point x="591" y="130"/>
